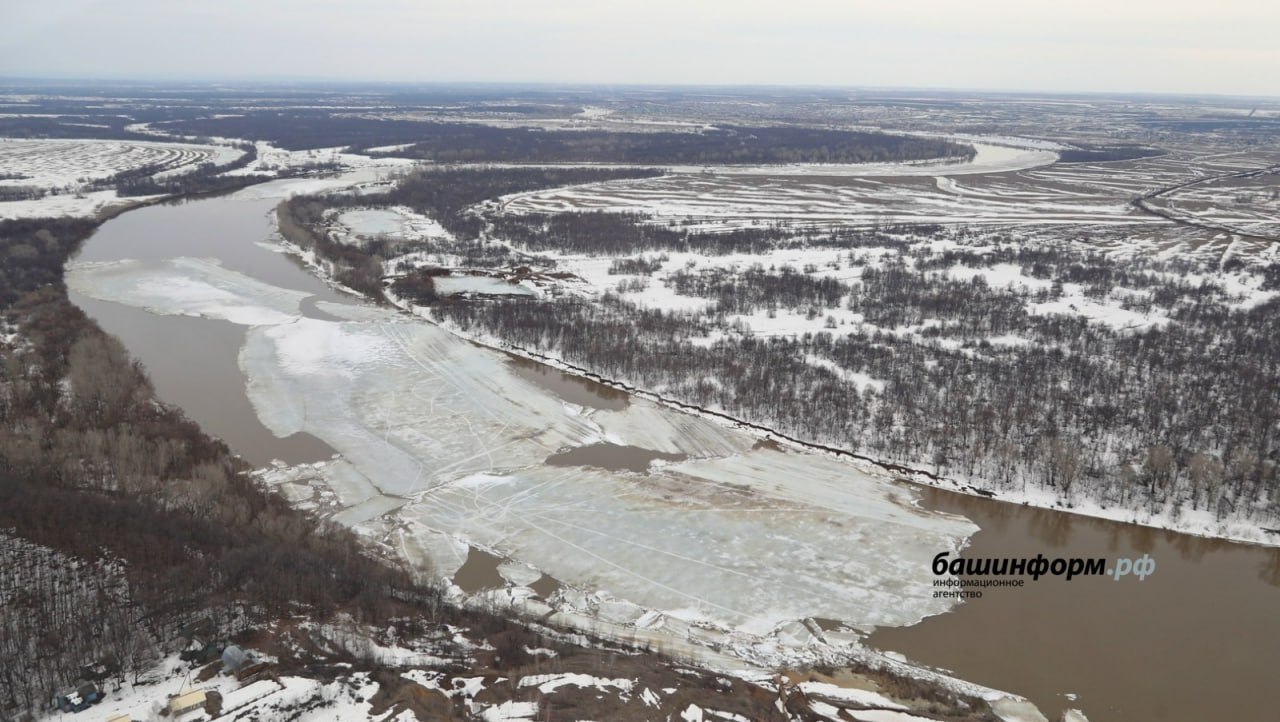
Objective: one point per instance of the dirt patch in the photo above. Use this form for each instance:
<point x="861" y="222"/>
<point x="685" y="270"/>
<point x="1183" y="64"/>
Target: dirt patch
<point x="396" y="694"/>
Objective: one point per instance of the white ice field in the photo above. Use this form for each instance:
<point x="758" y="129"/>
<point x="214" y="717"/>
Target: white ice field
<point x="442" y="445"/>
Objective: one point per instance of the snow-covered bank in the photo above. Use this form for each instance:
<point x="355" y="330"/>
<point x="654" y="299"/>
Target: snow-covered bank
<point x="1195" y="523"/>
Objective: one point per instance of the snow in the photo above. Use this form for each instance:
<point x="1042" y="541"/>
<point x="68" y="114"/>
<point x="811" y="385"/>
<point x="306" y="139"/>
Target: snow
<point x="994" y="155"/>
<point x="862" y="697"/>
<point x="510" y="711"/>
<point x="77" y="205"/>
<point x="186" y="287"/>
<point x="885" y="716"/>
<point x="861" y="380"/>
<point x="390" y="148"/>
<point x="342" y="700"/>
<point x="1010" y="709"/>
<point x="548" y="683"/>
<point x="254" y="692"/>
<point x="369" y="222"/>
<point x="367" y="174"/>
<point x="449" y="285"/>
<point x="1108" y="312"/>
<point x="1000" y="275"/>
<point x="58" y="162"/>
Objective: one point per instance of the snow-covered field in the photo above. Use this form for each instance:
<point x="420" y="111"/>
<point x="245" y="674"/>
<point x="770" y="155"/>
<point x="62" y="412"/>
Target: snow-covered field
<point x="61" y="168"/>
<point x="1074" y="197"/>
<point x="57" y="163"/>
<point x="723" y="201"/>
<point x="1009" y="155"/>
<point x="395" y="224"/>
<point x="272" y="158"/>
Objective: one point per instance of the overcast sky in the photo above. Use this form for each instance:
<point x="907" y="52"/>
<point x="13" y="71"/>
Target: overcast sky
<point x="1191" y="46"/>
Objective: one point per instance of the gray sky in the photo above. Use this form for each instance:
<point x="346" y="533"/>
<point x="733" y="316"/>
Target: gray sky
<point x="1191" y="46"/>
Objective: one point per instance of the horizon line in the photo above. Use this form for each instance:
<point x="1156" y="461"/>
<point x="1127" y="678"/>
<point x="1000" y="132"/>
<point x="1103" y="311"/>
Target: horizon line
<point x="267" y="80"/>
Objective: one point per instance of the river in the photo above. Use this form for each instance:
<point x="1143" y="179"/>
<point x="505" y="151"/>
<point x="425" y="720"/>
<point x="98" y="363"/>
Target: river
<point x="1198" y="640"/>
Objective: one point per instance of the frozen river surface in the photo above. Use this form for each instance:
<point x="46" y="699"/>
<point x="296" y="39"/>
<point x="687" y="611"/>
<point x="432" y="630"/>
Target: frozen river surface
<point x="721" y="542"/>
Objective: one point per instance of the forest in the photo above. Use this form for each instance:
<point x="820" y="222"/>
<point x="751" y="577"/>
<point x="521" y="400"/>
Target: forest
<point x="610" y="234"/>
<point x="1184" y="414"/>
<point x="457" y="142"/>
<point x="122" y="519"/>
<point x="1106" y="153"/>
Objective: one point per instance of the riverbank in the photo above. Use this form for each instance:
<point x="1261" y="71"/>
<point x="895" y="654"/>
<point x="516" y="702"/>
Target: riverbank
<point x="1194" y="523"/>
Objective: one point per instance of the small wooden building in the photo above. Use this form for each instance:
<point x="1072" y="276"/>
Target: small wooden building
<point x="183" y="703"/>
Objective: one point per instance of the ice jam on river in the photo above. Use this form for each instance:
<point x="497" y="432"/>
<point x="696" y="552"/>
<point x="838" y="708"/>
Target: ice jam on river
<point x="713" y="543"/>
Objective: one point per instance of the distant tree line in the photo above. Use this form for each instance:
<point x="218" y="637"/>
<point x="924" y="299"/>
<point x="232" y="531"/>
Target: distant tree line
<point x="474" y="143"/>
<point x="453" y="142"/>
<point x="1107" y="153"/>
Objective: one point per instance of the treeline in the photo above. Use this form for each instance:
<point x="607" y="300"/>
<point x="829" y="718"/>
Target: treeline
<point x="614" y="234"/>
<point x="474" y="143"/>
<point x="1107" y="153"/>
<point x="92" y="124"/>
<point x="93" y="468"/>
<point x="617" y="233"/>
<point x="455" y="142"/>
<point x="306" y="130"/>
<point x="300" y="219"/>
<point x="638" y="266"/>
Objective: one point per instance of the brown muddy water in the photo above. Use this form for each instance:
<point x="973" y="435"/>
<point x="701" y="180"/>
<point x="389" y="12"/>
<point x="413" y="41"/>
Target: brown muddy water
<point x="479" y="572"/>
<point x="573" y="389"/>
<point x="611" y="457"/>
<point x="1198" y="641"/>
<point x="193" y="362"/>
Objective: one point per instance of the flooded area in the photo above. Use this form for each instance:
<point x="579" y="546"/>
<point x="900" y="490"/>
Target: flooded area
<point x="1197" y="640"/>
<point x="613" y="457"/>
<point x="445" y="447"/>
<point x="479" y="572"/>
<point x="573" y="389"/>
